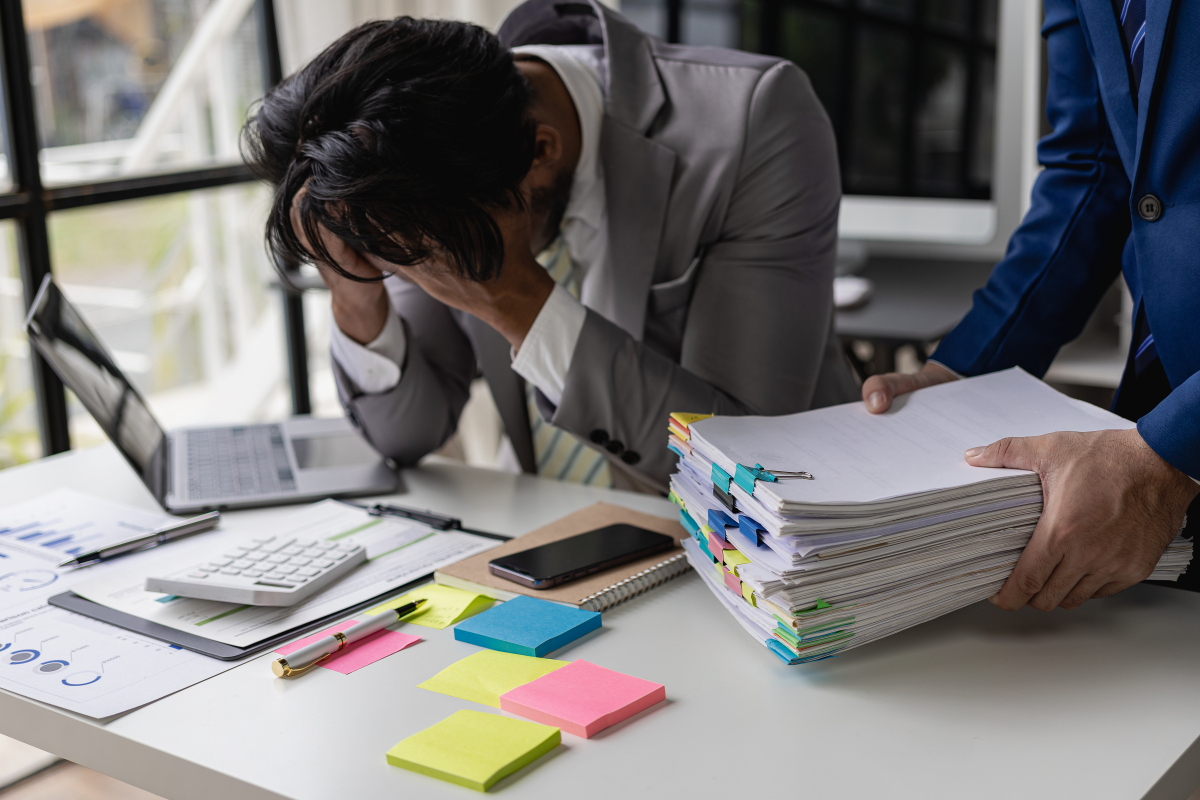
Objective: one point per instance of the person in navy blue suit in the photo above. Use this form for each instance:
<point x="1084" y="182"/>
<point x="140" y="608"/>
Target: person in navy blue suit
<point x="1120" y="192"/>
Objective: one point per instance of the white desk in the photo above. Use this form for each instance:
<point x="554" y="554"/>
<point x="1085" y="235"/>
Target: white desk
<point x="1099" y="703"/>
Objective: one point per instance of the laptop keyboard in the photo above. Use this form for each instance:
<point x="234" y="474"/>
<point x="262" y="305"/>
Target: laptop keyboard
<point x="237" y="462"/>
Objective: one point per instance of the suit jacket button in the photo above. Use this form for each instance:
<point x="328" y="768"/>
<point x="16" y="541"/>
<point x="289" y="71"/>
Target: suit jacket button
<point x="1150" y="208"/>
<point x="599" y="436"/>
<point x="630" y="457"/>
<point x="615" y="446"/>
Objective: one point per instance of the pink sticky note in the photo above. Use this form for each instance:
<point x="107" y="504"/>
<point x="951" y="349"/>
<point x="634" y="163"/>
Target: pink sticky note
<point x="715" y="542"/>
<point x="582" y="698"/>
<point x="357" y="654"/>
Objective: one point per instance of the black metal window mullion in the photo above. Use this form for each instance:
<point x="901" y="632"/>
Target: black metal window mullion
<point x="29" y="210"/>
<point x="293" y="302"/>
<point x="29" y="204"/>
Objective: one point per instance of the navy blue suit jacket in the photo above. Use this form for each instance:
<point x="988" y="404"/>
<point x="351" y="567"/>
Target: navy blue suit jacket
<point x="1082" y="227"/>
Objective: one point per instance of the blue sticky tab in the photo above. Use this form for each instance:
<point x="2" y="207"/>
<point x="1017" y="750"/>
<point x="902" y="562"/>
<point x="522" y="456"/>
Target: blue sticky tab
<point x="721" y="478"/>
<point x="751" y="529"/>
<point x="744" y="477"/>
<point x="719" y="521"/>
<point x="686" y="520"/>
<point x="676" y="450"/>
<point x="527" y="626"/>
<point x="785" y="655"/>
<point x="703" y="542"/>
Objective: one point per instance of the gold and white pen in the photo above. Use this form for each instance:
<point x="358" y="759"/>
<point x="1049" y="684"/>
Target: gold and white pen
<point x="306" y="658"/>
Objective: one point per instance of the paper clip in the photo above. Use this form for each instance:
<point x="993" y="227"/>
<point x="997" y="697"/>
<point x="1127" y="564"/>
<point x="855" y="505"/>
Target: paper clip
<point x="780" y="474"/>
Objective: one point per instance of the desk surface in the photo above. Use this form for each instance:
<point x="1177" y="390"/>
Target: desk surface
<point x="1098" y="703"/>
<point x="913" y="301"/>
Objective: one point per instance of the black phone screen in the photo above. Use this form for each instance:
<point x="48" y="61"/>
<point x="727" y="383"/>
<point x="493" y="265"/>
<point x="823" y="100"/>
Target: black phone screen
<point x="558" y="562"/>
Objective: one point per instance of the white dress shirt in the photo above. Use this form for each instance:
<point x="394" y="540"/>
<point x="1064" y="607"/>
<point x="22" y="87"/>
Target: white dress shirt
<point x="545" y="355"/>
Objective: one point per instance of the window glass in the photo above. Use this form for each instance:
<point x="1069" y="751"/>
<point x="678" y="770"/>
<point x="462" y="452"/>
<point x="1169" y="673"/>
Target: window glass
<point x="649" y="15"/>
<point x="179" y="290"/>
<point x="876" y="149"/>
<point x="19" y="440"/>
<point x="952" y="15"/>
<point x="893" y="8"/>
<point x="984" y="127"/>
<point x="710" y="22"/>
<point x="939" y="133"/>
<point x="126" y="87"/>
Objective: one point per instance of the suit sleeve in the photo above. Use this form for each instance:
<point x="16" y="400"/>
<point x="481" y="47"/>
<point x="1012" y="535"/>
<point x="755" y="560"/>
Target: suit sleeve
<point x="419" y="413"/>
<point x="759" y="318"/>
<point x="1172" y="429"/>
<point x="1067" y="251"/>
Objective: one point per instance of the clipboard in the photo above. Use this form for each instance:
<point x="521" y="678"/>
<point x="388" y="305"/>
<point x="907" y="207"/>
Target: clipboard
<point x="219" y="650"/>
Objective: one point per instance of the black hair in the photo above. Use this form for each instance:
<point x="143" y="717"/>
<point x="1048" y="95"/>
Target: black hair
<point x="405" y="133"/>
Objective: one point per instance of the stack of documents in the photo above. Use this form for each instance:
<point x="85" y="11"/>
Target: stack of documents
<point x="829" y="529"/>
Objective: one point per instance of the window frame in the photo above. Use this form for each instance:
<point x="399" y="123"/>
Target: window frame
<point x="28" y="203"/>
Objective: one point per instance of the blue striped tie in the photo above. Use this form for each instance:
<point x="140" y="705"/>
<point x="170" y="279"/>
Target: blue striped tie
<point x="1132" y="16"/>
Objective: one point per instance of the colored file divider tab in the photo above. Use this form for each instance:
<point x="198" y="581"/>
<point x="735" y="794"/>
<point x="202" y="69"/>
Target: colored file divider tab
<point x="582" y="698"/>
<point x="527" y="626"/>
<point x="474" y="749"/>
<point x="482" y="677"/>
<point x="444" y="606"/>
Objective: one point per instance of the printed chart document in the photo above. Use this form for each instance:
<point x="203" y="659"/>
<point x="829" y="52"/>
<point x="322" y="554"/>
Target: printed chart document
<point x="65" y="659"/>
<point x="398" y="551"/>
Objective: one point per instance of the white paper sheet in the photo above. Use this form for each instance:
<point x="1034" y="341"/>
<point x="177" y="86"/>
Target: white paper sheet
<point x="398" y="551"/>
<point x="915" y="448"/>
<point x="65" y="659"/>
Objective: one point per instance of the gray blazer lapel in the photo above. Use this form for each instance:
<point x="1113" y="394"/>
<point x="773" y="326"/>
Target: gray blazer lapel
<point x="637" y="185"/>
<point x="508" y="388"/>
<point x="1112" y="69"/>
<point x="1158" y="15"/>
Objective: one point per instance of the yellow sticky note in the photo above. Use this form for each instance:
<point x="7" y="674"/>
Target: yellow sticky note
<point x="474" y="749"/>
<point x="445" y="605"/>
<point x="735" y="558"/>
<point x="482" y="677"/>
<point x="684" y="418"/>
<point x="748" y="594"/>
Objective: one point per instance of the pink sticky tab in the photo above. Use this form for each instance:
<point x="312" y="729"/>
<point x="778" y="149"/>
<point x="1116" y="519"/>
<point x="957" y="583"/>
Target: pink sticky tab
<point x="582" y="698"/>
<point x="733" y="584"/>
<point x="357" y="654"/>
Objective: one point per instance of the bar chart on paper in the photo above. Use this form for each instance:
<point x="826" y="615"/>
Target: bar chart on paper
<point x="60" y="524"/>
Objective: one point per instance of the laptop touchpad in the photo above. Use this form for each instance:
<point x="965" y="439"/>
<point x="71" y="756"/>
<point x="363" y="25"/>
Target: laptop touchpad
<point x="339" y="450"/>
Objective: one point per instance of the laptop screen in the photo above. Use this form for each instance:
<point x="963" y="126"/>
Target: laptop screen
<point x="59" y="333"/>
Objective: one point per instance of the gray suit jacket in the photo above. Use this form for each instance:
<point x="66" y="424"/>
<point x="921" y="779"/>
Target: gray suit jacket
<point x="722" y="190"/>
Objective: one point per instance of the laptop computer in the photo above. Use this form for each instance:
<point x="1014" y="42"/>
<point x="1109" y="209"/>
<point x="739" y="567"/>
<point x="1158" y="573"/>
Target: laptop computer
<point x="198" y="469"/>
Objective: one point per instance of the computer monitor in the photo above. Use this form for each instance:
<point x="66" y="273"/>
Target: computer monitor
<point x="936" y="106"/>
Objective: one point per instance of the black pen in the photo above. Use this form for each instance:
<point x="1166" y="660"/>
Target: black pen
<point x="435" y="521"/>
<point x="163" y="535"/>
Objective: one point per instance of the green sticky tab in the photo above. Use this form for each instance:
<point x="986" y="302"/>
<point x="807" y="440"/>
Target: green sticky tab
<point x="735" y="557"/>
<point x="686" y="520"/>
<point x="822" y="604"/>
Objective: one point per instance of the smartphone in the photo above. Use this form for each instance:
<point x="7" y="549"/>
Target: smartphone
<point x="566" y="560"/>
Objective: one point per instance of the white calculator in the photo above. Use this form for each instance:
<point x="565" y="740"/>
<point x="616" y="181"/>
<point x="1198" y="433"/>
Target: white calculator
<point x="271" y="571"/>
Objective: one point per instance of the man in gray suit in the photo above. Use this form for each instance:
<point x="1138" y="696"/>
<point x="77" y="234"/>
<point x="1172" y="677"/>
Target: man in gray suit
<point x="683" y="201"/>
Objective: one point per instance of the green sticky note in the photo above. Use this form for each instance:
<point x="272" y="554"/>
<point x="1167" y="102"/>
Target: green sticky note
<point x="444" y="607"/>
<point x="474" y="749"/>
<point x="735" y="558"/>
<point x="482" y="677"/>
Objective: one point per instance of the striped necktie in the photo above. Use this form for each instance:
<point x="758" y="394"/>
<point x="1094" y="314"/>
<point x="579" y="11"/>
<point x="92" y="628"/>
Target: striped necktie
<point x="1132" y="16"/>
<point x="559" y="454"/>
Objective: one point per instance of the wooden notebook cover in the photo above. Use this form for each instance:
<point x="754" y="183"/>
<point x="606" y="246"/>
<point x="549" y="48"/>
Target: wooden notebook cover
<point x="599" y="515"/>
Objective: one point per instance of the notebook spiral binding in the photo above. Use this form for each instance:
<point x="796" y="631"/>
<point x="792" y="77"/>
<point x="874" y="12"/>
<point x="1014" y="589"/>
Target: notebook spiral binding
<point x="634" y="585"/>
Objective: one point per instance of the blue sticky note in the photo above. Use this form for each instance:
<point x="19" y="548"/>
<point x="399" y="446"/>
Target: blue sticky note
<point x="527" y="626"/>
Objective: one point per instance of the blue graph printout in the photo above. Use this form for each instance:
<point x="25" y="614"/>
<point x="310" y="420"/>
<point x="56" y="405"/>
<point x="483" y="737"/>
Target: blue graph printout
<point x="62" y="658"/>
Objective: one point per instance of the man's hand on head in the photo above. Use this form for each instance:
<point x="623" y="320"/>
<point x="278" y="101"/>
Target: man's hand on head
<point x="360" y="308"/>
<point x="878" y="391"/>
<point x="1111" y="507"/>
<point x="511" y="301"/>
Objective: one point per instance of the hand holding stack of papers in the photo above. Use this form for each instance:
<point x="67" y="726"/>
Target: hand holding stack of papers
<point x="829" y="529"/>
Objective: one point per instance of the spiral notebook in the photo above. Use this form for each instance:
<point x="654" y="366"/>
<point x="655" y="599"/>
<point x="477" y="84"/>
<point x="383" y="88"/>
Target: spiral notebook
<point x="598" y="592"/>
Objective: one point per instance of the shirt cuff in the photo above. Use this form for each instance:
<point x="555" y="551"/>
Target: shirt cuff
<point x="375" y="368"/>
<point x="545" y="355"/>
